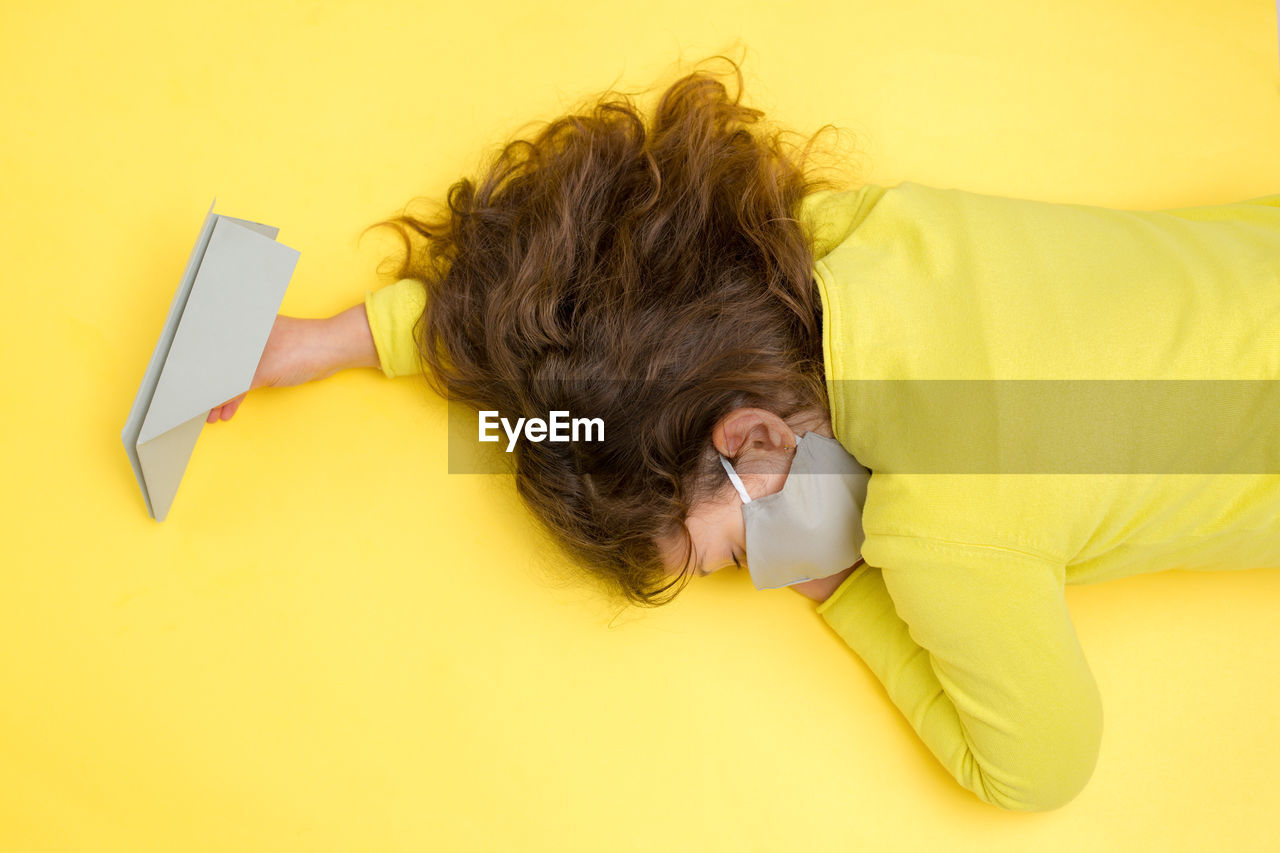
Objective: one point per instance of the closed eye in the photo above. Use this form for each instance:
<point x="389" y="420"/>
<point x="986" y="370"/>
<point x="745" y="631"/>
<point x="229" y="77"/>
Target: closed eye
<point x="735" y="561"/>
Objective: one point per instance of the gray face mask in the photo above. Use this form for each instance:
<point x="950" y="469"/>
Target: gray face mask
<point x="812" y="528"/>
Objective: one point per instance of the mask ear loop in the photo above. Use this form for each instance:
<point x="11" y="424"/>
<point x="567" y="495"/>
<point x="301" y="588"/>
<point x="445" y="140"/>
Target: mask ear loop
<point x="737" y="481"/>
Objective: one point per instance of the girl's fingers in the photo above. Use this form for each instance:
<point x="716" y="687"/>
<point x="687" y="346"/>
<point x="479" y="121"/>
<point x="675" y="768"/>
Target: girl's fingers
<point x="226" y="410"/>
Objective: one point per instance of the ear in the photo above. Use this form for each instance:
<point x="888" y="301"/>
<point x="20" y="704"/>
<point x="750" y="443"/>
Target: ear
<point x="754" y="430"/>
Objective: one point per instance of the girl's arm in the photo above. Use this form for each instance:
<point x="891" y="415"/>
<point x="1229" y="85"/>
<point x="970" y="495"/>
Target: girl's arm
<point x="377" y="333"/>
<point x="820" y="589"/>
<point x="351" y="340"/>
<point x="975" y="647"/>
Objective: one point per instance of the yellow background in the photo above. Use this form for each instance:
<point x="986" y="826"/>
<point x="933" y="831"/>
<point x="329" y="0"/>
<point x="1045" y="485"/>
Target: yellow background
<point x="333" y="645"/>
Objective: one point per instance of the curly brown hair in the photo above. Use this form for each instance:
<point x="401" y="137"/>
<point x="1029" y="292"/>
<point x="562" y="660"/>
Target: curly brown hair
<point x="662" y="267"/>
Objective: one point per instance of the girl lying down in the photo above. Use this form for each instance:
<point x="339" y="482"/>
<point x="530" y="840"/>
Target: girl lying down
<point x="925" y="409"/>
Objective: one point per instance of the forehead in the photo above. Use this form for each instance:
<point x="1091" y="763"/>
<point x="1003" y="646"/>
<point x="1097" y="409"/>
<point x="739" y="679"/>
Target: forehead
<point x="672" y="547"/>
<point x="705" y="525"/>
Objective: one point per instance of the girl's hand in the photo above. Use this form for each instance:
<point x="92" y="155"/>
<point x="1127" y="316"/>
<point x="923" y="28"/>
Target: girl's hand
<point x="820" y="589"/>
<point x="289" y="358"/>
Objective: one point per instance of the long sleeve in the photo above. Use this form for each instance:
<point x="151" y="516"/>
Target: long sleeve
<point x="392" y="312"/>
<point x="975" y="646"/>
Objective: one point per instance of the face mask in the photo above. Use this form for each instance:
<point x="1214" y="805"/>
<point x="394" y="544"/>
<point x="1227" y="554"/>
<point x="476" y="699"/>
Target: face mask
<point x="812" y="528"/>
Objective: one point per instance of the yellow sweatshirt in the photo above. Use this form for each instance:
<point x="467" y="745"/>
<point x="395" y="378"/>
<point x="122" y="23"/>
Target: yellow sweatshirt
<point x="392" y="311"/>
<point x="959" y="608"/>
